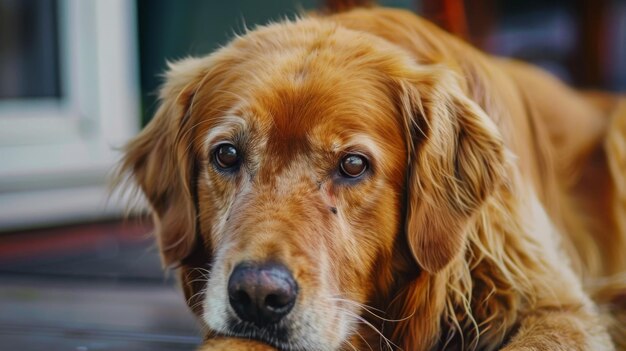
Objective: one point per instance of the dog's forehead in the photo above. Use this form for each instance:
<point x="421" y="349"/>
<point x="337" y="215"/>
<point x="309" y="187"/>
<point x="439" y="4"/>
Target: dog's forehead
<point x="310" y="89"/>
<point x="322" y="108"/>
<point x="315" y="105"/>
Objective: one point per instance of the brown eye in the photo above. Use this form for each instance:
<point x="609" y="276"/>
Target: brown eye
<point x="353" y="166"/>
<point x="226" y="156"/>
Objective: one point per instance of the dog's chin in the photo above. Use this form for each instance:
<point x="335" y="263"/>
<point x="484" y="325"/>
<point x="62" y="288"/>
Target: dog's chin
<point x="276" y="335"/>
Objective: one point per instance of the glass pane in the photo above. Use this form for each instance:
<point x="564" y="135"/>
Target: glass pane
<point x="29" y="49"/>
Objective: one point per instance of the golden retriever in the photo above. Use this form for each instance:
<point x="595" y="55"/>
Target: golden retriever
<point x="363" y="180"/>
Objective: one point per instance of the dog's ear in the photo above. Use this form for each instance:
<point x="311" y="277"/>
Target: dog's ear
<point x="456" y="160"/>
<point x="159" y="160"/>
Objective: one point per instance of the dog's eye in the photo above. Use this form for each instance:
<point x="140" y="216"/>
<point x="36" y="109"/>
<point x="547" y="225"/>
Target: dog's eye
<point x="226" y="156"/>
<point x="353" y="165"/>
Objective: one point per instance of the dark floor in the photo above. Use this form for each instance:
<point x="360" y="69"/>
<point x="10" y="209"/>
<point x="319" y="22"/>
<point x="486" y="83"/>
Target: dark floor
<point x="90" y="287"/>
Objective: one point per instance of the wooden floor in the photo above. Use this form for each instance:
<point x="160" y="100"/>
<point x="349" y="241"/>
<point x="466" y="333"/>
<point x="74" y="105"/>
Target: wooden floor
<point x="89" y="294"/>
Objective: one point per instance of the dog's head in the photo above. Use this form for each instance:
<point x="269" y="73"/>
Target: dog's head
<point x="290" y="170"/>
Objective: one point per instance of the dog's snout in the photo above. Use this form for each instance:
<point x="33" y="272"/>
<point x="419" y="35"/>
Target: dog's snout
<point x="262" y="293"/>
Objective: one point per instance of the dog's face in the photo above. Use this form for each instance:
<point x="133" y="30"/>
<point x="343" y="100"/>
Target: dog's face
<point x="302" y="174"/>
<point x="297" y="159"/>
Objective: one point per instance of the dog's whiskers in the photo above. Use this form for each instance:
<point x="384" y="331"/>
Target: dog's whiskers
<point x="363" y="321"/>
<point x="347" y="340"/>
<point x="369" y="309"/>
<point x="359" y="319"/>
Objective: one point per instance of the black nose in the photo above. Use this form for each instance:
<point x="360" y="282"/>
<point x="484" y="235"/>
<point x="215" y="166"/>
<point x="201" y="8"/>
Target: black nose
<point x="262" y="293"/>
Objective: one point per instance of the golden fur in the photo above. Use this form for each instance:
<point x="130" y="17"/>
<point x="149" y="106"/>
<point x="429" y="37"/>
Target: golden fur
<point x="492" y="215"/>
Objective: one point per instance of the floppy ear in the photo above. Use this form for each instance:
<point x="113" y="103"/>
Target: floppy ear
<point x="456" y="160"/>
<point x="159" y="162"/>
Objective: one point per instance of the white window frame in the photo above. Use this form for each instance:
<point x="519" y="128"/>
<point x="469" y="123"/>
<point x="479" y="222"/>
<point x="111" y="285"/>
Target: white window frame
<point x="55" y="154"/>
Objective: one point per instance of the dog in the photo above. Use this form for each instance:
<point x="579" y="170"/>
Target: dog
<point x="364" y="180"/>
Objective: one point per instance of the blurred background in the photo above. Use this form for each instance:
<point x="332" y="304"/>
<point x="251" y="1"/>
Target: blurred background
<point x="78" y="78"/>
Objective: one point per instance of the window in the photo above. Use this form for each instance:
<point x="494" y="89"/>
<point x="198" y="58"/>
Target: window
<point x="68" y="99"/>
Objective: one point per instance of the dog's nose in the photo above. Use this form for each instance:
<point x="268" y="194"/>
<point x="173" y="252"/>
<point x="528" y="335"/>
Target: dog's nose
<point x="262" y="293"/>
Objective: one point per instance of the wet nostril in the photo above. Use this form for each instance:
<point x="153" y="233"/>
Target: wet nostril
<point x="277" y="301"/>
